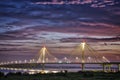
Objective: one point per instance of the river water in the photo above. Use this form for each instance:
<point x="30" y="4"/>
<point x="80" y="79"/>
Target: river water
<point x="54" y="68"/>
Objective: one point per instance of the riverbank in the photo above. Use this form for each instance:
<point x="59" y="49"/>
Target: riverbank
<point x="62" y="76"/>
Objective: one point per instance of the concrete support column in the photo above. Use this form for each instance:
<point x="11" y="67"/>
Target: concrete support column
<point x="43" y="67"/>
<point x="83" y="66"/>
<point x="109" y="67"/>
<point x="118" y="67"/>
<point x="103" y="67"/>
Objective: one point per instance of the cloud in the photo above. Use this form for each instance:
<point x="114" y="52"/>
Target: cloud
<point x="58" y="31"/>
<point x="90" y="39"/>
<point x="24" y="27"/>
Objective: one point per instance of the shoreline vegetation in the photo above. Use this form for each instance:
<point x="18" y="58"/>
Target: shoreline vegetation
<point x="86" y="75"/>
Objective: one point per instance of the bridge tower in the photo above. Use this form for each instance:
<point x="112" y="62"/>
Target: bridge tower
<point x="86" y="54"/>
<point x="42" y="55"/>
<point x="45" y="57"/>
<point x="83" y="56"/>
<point x="42" y="58"/>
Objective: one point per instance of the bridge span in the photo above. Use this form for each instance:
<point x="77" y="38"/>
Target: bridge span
<point x="82" y="55"/>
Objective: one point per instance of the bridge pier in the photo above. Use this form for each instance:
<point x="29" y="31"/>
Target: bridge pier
<point x="103" y="67"/>
<point x="43" y="68"/>
<point x="118" y="67"/>
<point x="106" y="67"/>
<point x="109" y="67"/>
<point x="83" y="66"/>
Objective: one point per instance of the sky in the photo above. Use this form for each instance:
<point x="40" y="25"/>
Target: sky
<point x="27" y="25"/>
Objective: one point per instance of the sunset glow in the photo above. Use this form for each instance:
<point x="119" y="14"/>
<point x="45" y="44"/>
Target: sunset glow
<point x="26" y="24"/>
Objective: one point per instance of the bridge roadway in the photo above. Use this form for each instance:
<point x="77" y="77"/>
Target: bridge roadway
<point x="81" y="63"/>
<point x="63" y="63"/>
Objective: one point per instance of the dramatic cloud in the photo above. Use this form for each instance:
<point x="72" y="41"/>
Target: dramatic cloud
<point x="26" y="25"/>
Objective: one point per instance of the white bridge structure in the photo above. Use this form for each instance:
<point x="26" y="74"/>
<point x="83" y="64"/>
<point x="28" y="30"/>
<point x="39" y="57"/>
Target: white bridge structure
<point x="83" y="55"/>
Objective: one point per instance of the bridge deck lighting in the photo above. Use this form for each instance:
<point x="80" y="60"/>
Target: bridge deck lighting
<point x="76" y="58"/>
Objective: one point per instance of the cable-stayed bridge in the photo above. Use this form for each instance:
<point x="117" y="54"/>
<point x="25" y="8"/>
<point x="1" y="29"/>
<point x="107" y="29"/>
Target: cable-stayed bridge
<point x="82" y="55"/>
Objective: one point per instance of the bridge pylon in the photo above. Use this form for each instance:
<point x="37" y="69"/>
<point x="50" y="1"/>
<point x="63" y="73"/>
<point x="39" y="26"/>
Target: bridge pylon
<point x="83" y="54"/>
<point x="42" y="59"/>
<point x="45" y="57"/>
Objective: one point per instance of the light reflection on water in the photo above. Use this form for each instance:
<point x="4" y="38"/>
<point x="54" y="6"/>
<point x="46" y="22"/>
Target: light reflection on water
<point x="54" y="68"/>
